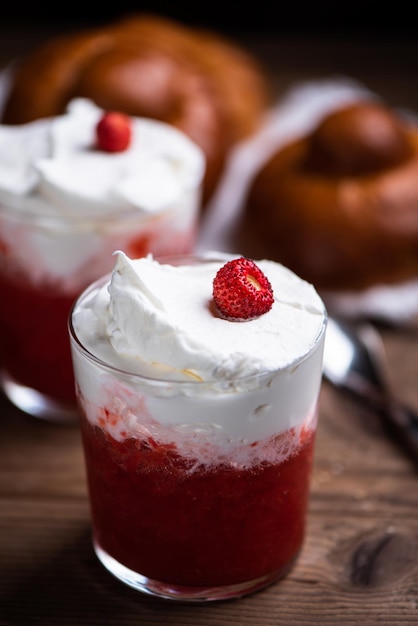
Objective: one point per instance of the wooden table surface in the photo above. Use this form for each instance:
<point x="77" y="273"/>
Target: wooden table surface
<point x="359" y="564"/>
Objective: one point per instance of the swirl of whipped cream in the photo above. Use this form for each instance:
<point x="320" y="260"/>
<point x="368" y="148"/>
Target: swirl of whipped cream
<point x="158" y="318"/>
<point x="52" y="166"/>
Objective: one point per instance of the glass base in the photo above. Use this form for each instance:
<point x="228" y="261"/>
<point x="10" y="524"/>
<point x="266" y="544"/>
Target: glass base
<point x="182" y="593"/>
<point x="37" y="404"/>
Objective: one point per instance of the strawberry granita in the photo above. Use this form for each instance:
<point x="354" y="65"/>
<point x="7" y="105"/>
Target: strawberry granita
<point x="198" y="430"/>
<point x="189" y="524"/>
<point x="67" y="202"/>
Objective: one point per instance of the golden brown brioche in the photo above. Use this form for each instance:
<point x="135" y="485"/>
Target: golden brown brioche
<point x="340" y="206"/>
<point x="146" y="65"/>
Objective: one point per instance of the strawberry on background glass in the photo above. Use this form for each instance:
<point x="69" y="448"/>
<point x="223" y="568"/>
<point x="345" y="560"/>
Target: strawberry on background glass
<point x="114" y="132"/>
<point x="74" y="189"/>
<point x="198" y="380"/>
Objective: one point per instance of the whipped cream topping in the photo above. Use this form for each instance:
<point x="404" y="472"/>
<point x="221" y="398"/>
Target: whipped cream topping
<point x="158" y="319"/>
<point x="52" y="165"/>
<point x="65" y="205"/>
<point x="153" y="359"/>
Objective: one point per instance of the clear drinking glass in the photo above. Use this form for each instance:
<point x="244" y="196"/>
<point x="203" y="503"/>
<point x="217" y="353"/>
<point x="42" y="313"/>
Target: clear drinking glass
<point x="182" y="509"/>
<point x="45" y="262"/>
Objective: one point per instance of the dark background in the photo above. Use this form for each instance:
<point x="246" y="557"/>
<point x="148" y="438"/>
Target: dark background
<point x="262" y="16"/>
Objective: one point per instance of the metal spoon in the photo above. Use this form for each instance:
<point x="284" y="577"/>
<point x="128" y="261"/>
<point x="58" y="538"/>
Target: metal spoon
<point x="354" y="360"/>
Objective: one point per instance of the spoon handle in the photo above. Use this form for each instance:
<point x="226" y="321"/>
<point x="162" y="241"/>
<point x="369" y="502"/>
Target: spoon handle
<point x="400" y="420"/>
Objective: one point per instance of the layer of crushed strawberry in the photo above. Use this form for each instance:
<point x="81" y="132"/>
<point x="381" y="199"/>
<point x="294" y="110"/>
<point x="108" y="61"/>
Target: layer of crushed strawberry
<point x="214" y="525"/>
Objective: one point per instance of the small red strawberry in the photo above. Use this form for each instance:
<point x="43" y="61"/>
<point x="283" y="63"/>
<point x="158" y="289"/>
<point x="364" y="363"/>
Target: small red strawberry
<point x="241" y="291"/>
<point x="114" y="132"/>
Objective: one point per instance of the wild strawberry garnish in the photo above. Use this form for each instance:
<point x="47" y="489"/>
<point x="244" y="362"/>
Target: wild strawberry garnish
<point x="114" y="132"/>
<point x="241" y="291"/>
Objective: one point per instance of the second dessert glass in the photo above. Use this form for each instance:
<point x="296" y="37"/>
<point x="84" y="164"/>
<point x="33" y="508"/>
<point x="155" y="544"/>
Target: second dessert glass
<point x="60" y="226"/>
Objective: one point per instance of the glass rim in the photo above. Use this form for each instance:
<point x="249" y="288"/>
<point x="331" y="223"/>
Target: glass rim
<point x="155" y="380"/>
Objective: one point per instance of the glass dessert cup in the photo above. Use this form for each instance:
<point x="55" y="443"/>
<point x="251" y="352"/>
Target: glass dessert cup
<point x="181" y="507"/>
<point x="45" y="263"/>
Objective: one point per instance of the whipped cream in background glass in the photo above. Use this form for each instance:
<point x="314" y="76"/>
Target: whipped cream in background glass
<point x="82" y="197"/>
<point x="65" y="206"/>
<point x="179" y="405"/>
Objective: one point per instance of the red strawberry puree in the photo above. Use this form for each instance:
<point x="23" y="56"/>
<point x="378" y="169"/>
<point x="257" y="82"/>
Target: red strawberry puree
<point x="174" y="520"/>
<point x="33" y="341"/>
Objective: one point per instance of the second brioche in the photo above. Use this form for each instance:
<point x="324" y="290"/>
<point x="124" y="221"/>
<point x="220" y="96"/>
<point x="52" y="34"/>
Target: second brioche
<point x="339" y="205"/>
